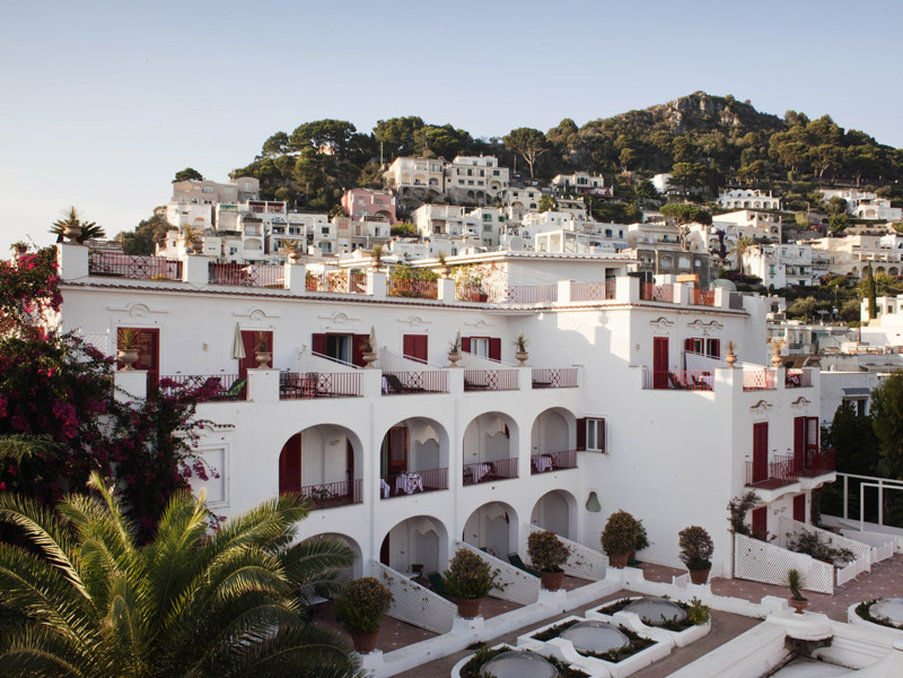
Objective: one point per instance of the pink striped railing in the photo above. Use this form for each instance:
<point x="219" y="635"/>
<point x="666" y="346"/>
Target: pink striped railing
<point x="531" y="294"/>
<point x="245" y="275"/>
<point x="758" y="379"/>
<point x="331" y="495"/>
<point x="295" y="385"/>
<point x="490" y="380"/>
<point x="423" y="289"/>
<point x="427" y="381"/>
<point x="564" y="377"/>
<point x="593" y="291"/>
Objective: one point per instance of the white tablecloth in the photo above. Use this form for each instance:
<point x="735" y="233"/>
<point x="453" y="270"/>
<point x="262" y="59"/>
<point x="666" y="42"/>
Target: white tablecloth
<point x="409" y="483"/>
<point x="478" y="471"/>
<point x="542" y="462"/>
<point x="384" y="488"/>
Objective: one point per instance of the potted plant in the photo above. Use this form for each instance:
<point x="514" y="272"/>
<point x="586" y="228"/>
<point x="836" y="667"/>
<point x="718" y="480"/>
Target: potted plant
<point x="292" y="250"/>
<point x="360" y="608"/>
<point x="548" y="554"/>
<point x="468" y="580"/>
<point x="520" y="349"/>
<point x="696" y="550"/>
<point x="444" y="268"/>
<point x="261" y="354"/>
<point x="192" y="238"/>
<point x="377" y="256"/>
<point x="368" y="347"/>
<point x="127" y="347"/>
<point x="454" y="350"/>
<point x="795" y="582"/>
<point x="620" y="537"/>
<point x="19" y="248"/>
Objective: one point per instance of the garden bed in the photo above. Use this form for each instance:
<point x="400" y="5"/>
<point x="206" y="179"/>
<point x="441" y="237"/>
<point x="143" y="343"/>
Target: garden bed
<point x="470" y="667"/>
<point x="681" y="632"/>
<point x="861" y="614"/>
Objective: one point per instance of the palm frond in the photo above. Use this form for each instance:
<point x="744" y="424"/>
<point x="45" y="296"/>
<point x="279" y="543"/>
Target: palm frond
<point x="16" y="447"/>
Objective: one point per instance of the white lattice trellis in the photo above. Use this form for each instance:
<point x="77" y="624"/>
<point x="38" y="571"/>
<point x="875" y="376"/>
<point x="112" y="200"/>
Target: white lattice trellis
<point x="99" y="340"/>
<point x="516" y="585"/>
<point x="414" y="603"/>
<point x="760" y="561"/>
<point x="862" y="553"/>
<point x="583" y="561"/>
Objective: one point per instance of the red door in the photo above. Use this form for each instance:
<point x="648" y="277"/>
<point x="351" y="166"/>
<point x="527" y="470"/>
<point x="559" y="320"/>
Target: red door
<point x="147" y="341"/>
<point x="398" y="449"/>
<point x="290" y="465"/>
<point x="384" y="552"/>
<point x="415" y="347"/>
<point x="799" y="508"/>
<point x="799" y="443"/>
<point x="660" y="362"/>
<point x="760" y="523"/>
<point x="249" y="340"/>
<point x="349" y="466"/>
<point x="760" y="452"/>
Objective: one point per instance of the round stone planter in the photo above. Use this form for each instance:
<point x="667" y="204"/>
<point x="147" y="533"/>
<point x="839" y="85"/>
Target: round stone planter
<point x="364" y="641"/>
<point x="551" y="581"/>
<point x="468" y="608"/>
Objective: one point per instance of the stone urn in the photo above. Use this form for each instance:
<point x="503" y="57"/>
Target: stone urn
<point x="263" y="359"/>
<point x="128" y="357"/>
<point x="370" y="358"/>
<point x="73" y="232"/>
<point x="295" y="257"/>
<point x="798" y="604"/>
<point x="521" y="357"/>
<point x="454" y="357"/>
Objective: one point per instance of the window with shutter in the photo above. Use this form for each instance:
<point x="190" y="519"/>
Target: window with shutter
<point x="495" y="348"/>
<point x="595" y="434"/>
<point x="581" y="434"/>
<point x="415" y="347"/>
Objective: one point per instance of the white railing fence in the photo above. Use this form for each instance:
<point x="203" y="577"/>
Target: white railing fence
<point x="583" y="562"/>
<point x="415" y="604"/>
<point x="760" y="561"/>
<point x="517" y="586"/>
<point x="880" y="485"/>
<point x="862" y="553"/>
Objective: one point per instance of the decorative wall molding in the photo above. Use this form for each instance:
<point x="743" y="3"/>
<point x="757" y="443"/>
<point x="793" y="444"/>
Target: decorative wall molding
<point x="136" y="309"/>
<point x="414" y="321"/>
<point x="761" y="406"/>
<point x="478" y="324"/>
<point x="255" y="313"/>
<point x="800" y="402"/>
<point x="705" y="328"/>
<point x="339" y="318"/>
<point x="661" y="322"/>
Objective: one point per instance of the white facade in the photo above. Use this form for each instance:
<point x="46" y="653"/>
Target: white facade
<point x="747" y="198"/>
<point x="658" y="441"/>
<point x="581" y="182"/>
<point x="780" y="265"/>
<point x="853" y="253"/>
<point x="865" y="204"/>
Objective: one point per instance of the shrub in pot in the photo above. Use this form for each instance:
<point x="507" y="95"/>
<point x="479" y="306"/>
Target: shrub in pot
<point x="548" y="554"/>
<point x="468" y="580"/>
<point x="696" y="550"/>
<point x="360" y="608"/>
<point x="795" y="582"/>
<point x="620" y="537"/>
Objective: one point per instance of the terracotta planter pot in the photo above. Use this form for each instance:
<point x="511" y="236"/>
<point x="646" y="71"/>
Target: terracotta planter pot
<point x="364" y="641"/>
<point x="551" y="581"/>
<point x="128" y="357"/>
<point x="618" y="559"/>
<point x="700" y="576"/>
<point x="468" y="608"/>
<point x="798" y="605"/>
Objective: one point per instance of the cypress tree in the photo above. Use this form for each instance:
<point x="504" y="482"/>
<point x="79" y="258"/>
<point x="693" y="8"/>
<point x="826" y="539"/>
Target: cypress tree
<point x="871" y="293"/>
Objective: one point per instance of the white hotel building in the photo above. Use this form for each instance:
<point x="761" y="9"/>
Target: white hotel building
<point x="626" y="402"/>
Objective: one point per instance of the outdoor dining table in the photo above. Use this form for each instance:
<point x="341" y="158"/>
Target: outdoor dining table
<point x="384" y="488"/>
<point x="409" y="483"/>
<point x="478" y="471"/>
<point x="542" y="462"/>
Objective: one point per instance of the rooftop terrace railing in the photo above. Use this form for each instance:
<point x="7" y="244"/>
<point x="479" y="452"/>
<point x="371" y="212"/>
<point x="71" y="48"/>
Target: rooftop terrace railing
<point x="652" y="292"/>
<point x="425" y="381"/>
<point x="423" y="289"/>
<point x="245" y="275"/>
<point x="133" y="266"/>
<point x="561" y="377"/>
<point x="593" y="291"/>
<point x="490" y="380"/>
<point x="761" y="379"/>
<point x="295" y="385"/>
<point x="206" y="387"/>
<point x="777" y="472"/>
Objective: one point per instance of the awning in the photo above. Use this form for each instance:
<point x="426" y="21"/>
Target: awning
<point x="856" y="392"/>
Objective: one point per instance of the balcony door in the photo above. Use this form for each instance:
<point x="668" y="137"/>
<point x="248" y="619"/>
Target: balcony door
<point x="147" y="341"/>
<point x="799" y="508"/>
<point x="805" y="441"/>
<point x="760" y="523"/>
<point x="249" y="341"/>
<point x="397" y="444"/>
<point x="760" y="452"/>
<point x="660" y="362"/>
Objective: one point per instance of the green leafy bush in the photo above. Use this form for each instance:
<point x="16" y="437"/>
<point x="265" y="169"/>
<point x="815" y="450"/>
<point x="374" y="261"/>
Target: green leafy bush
<point x="468" y="576"/>
<point x="546" y="551"/>
<point x="621" y="533"/>
<point x="696" y="548"/>
<point x="362" y="605"/>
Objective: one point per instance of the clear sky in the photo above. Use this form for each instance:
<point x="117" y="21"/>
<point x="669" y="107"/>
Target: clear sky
<point x="101" y="102"/>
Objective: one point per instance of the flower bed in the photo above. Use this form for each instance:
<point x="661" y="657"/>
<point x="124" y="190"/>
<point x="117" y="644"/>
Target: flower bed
<point x="681" y="632"/>
<point x="470" y="667"/>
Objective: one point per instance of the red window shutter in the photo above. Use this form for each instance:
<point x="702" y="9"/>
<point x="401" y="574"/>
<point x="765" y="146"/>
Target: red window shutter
<point x="495" y="348"/>
<point x="318" y="343"/>
<point x="422" y="344"/>
<point x="465" y="344"/>
<point x="357" y="349"/>
<point x="415" y="347"/>
<point x="581" y="434"/>
<point x="407" y="345"/>
<point x="688" y="344"/>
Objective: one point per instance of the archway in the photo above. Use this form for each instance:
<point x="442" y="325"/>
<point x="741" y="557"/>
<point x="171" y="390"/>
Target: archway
<point x="493" y="528"/>
<point x="323" y="463"/>
<point x="413" y="458"/>
<point x="356" y="569"/>
<point x="490" y="448"/>
<point x="420" y="541"/>
<point x="555" y="511"/>
<point x="552" y="441"/>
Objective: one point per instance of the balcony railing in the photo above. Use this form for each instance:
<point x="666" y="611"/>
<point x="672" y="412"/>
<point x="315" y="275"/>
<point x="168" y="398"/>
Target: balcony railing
<point x="428" y="381"/>
<point x="135" y="267"/>
<point x="342" y="282"/>
<point x="758" y="380"/>
<point x="553" y="461"/>
<point x="564" y="377"/>
<point x="703" y="297"/>
<point x="593" y="291"/>
<point x="490" y="471"/>
<point x="423" y="289"/>
<point x="331" y="495"/>
<point x="685" y="380"/>
<point x="490" y="380"/>
<point x="530" y="294"/>
<point x="778" y="472"/>
<point x="205" y="387"/>
<point x="472" y="293"/>
<point x="797" y="378"/>
<point x="413" y="482"/>
<point x="652" y="292"/>
<point x="816" y="464"/>
<point x="295" y="385"/>
<point x="245" y="275"/>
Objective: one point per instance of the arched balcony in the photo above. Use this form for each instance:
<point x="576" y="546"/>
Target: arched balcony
<point x="490" y="449"/>
<point x="493" y="528"/>
<point x="552" y="441"/>
<point x="556" y="511"/>
<point x="323" y="464"/>
<point x="416" y="545"/>
<point x="413" y="458"/>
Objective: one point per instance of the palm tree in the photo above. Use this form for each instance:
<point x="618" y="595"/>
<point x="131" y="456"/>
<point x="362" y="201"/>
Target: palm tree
<point x="82" y="598"/>
<point x="740" y="248"/>
<point x="89" y="229"/>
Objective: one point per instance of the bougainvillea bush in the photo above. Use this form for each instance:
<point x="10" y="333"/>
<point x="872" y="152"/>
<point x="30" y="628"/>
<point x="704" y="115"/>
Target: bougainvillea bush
<point x="59" y="419"/>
